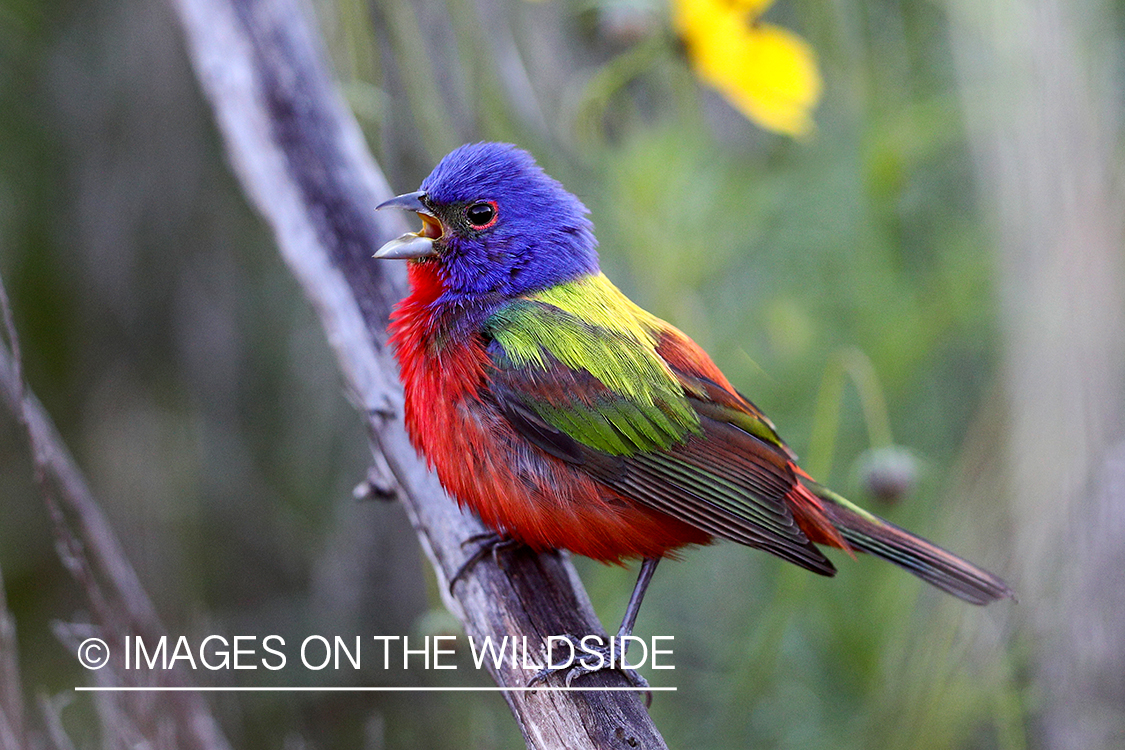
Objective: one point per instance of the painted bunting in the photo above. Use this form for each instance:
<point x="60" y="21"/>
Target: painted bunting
<point x="566" y="417"/>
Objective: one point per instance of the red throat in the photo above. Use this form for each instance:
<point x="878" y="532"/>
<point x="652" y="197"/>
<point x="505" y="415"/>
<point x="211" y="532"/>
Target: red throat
<point x="438" y="370"/>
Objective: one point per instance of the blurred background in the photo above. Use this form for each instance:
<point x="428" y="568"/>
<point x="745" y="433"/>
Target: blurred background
<point x="918" y="276"/>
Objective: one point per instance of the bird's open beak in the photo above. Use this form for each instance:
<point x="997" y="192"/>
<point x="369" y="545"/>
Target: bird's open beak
<point x="418" y="244"/>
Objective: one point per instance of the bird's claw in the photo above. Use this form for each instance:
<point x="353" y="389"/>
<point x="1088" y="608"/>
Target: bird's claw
<point x="490" y="542"/>
<point x="599" y="656"/>
<point x="484" y="538"/>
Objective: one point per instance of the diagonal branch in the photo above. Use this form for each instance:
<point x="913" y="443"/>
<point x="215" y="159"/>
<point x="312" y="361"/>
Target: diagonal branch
<point x="92" y="553"/>
<point x="304" y="164"/>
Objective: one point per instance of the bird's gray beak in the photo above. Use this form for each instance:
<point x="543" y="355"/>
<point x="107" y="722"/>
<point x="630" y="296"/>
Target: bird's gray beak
<point x="418" y="244"/>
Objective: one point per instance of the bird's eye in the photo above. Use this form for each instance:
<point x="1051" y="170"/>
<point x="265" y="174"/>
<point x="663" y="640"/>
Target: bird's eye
<point x="481" y="215"/>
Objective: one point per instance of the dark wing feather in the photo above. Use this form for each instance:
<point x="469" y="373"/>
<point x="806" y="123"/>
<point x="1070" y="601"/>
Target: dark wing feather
<point x="544" y="436"/>
<point x="717" y="477"/>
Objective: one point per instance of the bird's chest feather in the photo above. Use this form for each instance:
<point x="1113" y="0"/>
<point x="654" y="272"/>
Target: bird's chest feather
<point x="462" y="436"/>
<point x="440" y="370"/>
<point x="487" y="466"/>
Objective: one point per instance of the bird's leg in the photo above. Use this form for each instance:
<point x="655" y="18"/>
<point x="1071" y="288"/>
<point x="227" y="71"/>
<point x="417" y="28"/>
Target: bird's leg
<point x="489" y="542"/>
<point x="648" y="567"/>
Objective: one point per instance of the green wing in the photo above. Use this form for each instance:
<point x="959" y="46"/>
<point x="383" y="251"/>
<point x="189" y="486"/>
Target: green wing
<point x="605" y="388"/>
<point x="578" y="373"/>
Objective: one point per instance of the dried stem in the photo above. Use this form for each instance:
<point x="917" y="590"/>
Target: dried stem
<point x="90" y="550"/>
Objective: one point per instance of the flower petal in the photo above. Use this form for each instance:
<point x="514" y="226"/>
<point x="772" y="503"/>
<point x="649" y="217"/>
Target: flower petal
<point x="766" y="72"/>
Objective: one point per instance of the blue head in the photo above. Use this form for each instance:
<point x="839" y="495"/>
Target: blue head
<point x="498" y="225"/>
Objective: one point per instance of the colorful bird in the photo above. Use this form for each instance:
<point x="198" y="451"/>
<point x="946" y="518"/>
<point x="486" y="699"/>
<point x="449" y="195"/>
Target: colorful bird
<point x="566" y="417"/>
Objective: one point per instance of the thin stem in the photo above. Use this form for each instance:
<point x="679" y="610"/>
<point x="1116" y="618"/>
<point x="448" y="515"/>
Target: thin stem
<point x="854" y="364"/>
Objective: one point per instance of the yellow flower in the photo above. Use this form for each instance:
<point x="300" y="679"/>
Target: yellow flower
<point x="767" y="73"/>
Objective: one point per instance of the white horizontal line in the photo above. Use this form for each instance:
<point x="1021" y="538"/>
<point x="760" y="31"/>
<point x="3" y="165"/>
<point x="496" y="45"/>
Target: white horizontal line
<point x="376" y="689"/>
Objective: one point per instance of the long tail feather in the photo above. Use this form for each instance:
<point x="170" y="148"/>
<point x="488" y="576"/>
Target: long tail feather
<point x="868" y="533"/>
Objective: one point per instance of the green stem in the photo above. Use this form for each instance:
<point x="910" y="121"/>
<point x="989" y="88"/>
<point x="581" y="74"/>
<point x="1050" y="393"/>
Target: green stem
<point x="612" y="78"/>
<point x="854" y="364"/>
<point x="418" y="78"/>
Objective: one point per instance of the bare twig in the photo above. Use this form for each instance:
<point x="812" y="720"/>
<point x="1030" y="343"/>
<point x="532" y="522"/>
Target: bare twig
<point x="53" y="721"/>
<point x="88" y="546"/>
<point x="11" y="699"/>
<point x="303" y="162"/>
<point x="14" y="343"/>
<point x="53" y="464"/>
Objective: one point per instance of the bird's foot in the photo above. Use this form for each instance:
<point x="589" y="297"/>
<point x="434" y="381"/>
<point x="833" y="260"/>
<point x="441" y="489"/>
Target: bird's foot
<point x="487" y="543"/>
<point x="584" y="657"/>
